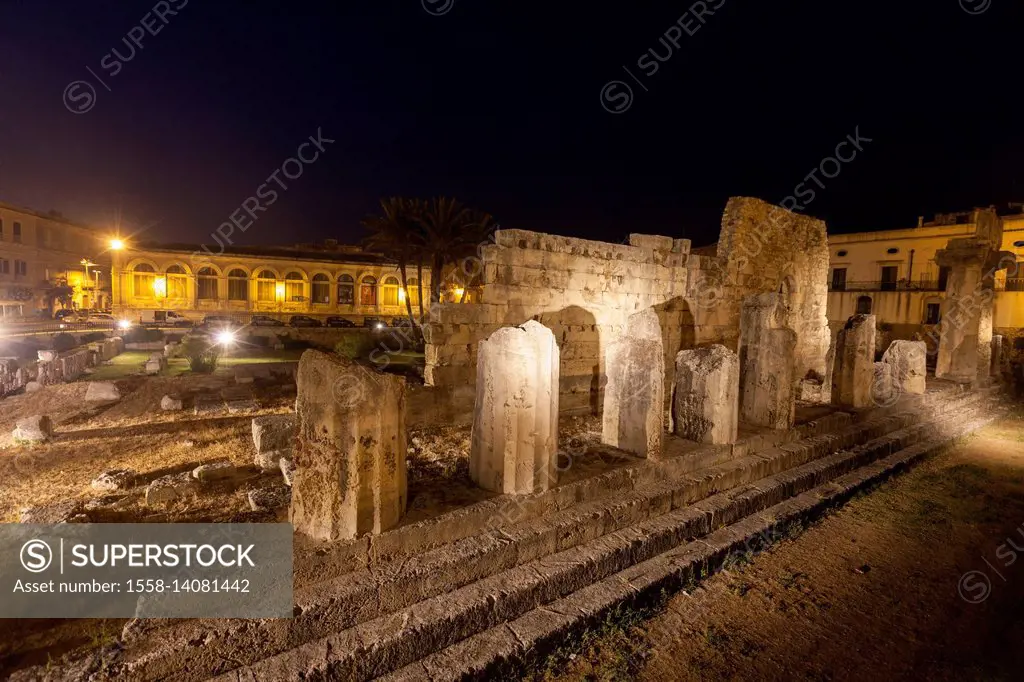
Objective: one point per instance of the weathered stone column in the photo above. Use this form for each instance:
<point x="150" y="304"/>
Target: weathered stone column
<point x="515" y="424"/>
<point x="854" y="372"/>
<point x="997" y="355"/>
<point x="350" y="473"/>
<point x="768" y="384"/>
<point x="965" y="332"/>
<point x="706" y="396"/>
<point x="634" y="397"/>
<point x="909" y="365"/>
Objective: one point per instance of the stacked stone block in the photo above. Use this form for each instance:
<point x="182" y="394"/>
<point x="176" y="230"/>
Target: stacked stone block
<point x="768" y="380"/>
<point x="854" y="372"/>
<point x="634" y="398"/>
<point x="705" y="401"/>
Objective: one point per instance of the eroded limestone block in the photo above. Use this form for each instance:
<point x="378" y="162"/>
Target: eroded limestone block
<point x="908" y="360"/>
<point x="274" y="432"/>
<point x="47" y="355"/>
<point x="634" y="397"/>
<point x="215" y="471"/>
<point x="705" y="403"/>
<point x="171" y="403"/>
<point x="350" y="475"/>
<point x="113" y="480"/>
<point x="997" y="355"/>
<point x="515" y="421"/>
<point x="170" y="488"/>
<point x="102" y="391"/>
<point x="36" y="429"/>
<point x="768" y="374"/>
<point x="854" y="372"/>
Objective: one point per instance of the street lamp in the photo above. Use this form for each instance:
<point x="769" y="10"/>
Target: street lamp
<point x="116" y="244"/>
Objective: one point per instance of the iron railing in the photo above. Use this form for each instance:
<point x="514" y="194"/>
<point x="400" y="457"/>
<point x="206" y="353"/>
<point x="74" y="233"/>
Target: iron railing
<point x="880" y="285"/>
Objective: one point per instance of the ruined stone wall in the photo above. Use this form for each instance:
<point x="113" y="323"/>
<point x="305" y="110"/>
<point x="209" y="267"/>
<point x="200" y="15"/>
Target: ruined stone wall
<point x="584" y="290"/>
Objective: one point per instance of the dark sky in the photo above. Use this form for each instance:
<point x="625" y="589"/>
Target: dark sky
<point x="499" y="103"/>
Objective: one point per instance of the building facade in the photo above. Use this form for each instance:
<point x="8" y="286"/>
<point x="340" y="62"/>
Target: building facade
<point x="40" y="252"/>
<point x="323" y="281"/>
<point x="893" y="274"/>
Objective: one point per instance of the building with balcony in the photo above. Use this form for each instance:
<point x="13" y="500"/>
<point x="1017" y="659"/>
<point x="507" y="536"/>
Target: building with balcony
<point x="40" y="252"/>
<point x="318" y="280"/>
<point x="893" y="274"/>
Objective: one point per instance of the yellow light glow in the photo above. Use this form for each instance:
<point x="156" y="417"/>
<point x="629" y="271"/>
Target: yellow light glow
<point x="160" y="287"/>
<point x="459" y="291"/>
<point x="279" y="289"/>
<point x="116" y="244"/>
<point x="401" y="295"/>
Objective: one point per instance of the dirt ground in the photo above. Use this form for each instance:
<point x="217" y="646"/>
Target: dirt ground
<point x="915" y="580"/>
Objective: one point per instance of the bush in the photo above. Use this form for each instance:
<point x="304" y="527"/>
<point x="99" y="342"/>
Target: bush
<point x="257" y="341"/>
<point x="355" y="345"/>
<point x="63" y="342"/>
<point x="202" y="356"/>
<point x="297" y="344"/>
<point x="92" y="337"/>
<point x="143" y="335"/>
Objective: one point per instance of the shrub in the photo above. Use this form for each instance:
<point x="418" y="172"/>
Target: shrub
<point x="92" y="337"/>
<point x="297" y="344"/>
<point x="355" y="345"/>
<point x="63" y="342"/>
<point x="202" y="356"/>
<point x="257" y="341"/>
<point x="143" y="335"/>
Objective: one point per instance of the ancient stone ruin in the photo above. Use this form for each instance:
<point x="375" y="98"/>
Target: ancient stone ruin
<point x="515" y="426"/>
<point x="908" y="360"/>
<point x="634" y="398"/>
<point x="854" y="373"/>
<point x="350" y="477"/>
<point x="768" y="363"/>
<point x="705" y="401"/>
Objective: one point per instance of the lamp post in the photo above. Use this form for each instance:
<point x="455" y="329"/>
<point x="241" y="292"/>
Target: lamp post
<point x="116" y="244"/>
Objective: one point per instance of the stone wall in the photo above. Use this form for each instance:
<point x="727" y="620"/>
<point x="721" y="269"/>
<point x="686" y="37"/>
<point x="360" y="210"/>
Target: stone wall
<point x="584" y="290"/>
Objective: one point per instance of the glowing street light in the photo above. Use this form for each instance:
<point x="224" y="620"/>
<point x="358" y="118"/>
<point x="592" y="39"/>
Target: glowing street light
<point x="225" y="338"/>
<point x="124" y="324"/>
<point x="160" y="287"/>
<point x="116" y="244"/>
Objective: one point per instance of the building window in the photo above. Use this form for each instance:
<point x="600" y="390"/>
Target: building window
<point x="294" y="287"/>
<point x="839" y="279"/>
<point x="944" y="277"/>
<point x="841" y="253"/>
<point x="266" y="286"/>
<point x="206" y="284"/>
<point x="346" y="290"/>
<point x="321" y="289"/>
<point x="238" y="285"/>
<point x="892" y="250"/>
<point x="389" y="291"/>
<point x="889" y="275"/>
<point x="864" y="305"/>
<point x="413" y="291"/>
<point x="931" y="313"/>
<point x="5" y="267"/>
<point x="17" y="233"/>
<point x="144" y="280"/>
<point x="177" y="282"/>
<point x="368" y="291"/>
<point x="1018" y="244"/>
<point x="1" y="229"/>
<point x="20" y="268"/>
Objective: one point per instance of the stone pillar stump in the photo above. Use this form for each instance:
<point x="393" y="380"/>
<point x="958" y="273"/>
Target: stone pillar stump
<point x="705" y="400"/>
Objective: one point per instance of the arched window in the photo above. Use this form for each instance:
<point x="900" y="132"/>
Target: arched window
<point x="413" y="291"/>
<point x="864" y="305"/>
<point x="238" y="285"/>
<point x="368" y="291"/>
<point x="206" y="284"/>
<point x="177" y="282"/>
<point x="389" y="291"/>
<point x="144" y="280"/>
<point x="266" y="286"/>
<point x="294" y="287"/>
<point x="346" y="290"/>
<point x="321" y="292"/>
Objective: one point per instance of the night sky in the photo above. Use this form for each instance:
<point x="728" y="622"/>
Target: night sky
<point x="500" y="104"/>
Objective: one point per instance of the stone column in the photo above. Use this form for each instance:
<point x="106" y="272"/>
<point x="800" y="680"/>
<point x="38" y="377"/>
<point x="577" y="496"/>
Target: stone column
<point x="634" y="397"/>
<point x="854" y="372"/>
<point x="909" y="365"/>
<point x="965" y="331"/>
<point x="350" y="476"/>
<point x="997" y="355"/>
<point x="515" y="422"/>
<point x="768" y="381"/>
<point x="705" y="400"/>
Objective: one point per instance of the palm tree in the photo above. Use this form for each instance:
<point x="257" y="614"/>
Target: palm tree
<point x="395" y="234"/>
<point x="450" y="232"/>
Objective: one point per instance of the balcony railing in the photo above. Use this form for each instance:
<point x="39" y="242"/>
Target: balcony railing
<point x="879" y="285"/>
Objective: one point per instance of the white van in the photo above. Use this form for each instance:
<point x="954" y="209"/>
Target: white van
<point x="168" y="318"/>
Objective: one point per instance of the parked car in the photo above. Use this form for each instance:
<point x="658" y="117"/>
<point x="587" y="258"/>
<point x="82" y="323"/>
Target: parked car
<point x="265" y="321"/>
<point x="66" y="314"/>
<point x="374" y="323"/>
<point x="169" y="318"/>
<point x="100" y="320"/>
<point x="304" y="321"/>
<point x="402" y="322"/>
<point x="219" y="323"/>
<point x="335" y="321"/>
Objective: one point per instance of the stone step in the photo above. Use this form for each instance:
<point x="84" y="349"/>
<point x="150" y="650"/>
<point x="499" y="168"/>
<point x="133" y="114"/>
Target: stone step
<point x="509" y="645"/>
<point x="388" y="586"/>
<point x="377" y="646"/>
